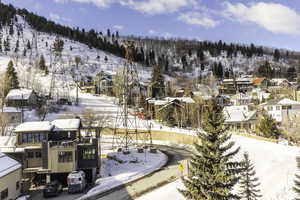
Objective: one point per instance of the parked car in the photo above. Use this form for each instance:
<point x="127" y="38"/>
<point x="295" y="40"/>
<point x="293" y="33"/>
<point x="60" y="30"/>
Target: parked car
<point x="76" y="181"/>
<point x="53" y="188"/>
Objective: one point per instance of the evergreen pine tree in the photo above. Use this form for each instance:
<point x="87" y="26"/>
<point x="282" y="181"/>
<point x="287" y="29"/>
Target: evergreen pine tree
<point x="213" y="173"/>
<point x="298" y="71"/>
<point x="268" y="128"/>
<point x="6" y="45"/>
<point x="296" y="188"/>
<point x="157" y="82"/>
<point x="24" y="52"/>
<point x="276" y="55"/>
<point x="220" y="70"/>
<point x="42" y="64"/>
<point x="58" y="46"/>
<point x="0" y="45"/>
<point x="17" y="46"/>
<point x="28" y="45"/>
<point x="11" y="78"/>
<point x="248" y="182"/>
<point x="11" y="30"/>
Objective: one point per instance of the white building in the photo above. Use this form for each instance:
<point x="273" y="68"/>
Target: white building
<point x="10" y="177"/>
<point x="240" y="118"/>
<point x="282" y="109"/>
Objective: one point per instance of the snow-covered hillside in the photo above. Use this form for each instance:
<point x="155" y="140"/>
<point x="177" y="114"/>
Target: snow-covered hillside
<point x="30" y="76"/>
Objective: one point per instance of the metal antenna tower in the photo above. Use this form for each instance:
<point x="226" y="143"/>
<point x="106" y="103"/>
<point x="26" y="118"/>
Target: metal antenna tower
<point x="130" y="127"/>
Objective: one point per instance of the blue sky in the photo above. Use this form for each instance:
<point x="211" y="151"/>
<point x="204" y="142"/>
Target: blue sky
<point x="274" y="23"/>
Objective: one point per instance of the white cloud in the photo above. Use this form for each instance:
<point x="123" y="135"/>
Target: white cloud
<point x="195" y="18"/>
<point x="57" y="18"/>
<point x="152" y="32"/>
<point x="54" y="16"/>
<point x="273" y="17"/>
<point x="150" y="7"/>
<point x="118" y="27"/>
<point x="99" y="3"/>
<point x="168" y="35"/>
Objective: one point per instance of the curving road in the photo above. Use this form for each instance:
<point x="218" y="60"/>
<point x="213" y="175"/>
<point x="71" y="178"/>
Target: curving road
<point x="167" y="174"/>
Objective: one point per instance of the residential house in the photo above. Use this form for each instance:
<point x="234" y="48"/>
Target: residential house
<point x="261" y="82"/>
<point x="177" y="107"/>
<point x="102" y="83"/>
<point x="282" y="109"/>
<point x="260" y="94"/>
<point x="87" y="85"/>
<point x="12" y="115"/>
<point x="241" y="99"/>
<point x="240" y="118"/>
<point x="21" y="98"/>
<point x="282" y="82"/>
<point x="232" y="86"/>
<point x="10" y="177"/>
<point x="57" y="148"/>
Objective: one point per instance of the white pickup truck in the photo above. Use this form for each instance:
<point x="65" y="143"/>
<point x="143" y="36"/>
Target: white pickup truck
<point x="76" y="181"/>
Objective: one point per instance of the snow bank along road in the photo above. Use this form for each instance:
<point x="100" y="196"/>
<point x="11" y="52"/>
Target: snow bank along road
<point x="134" y="189"/>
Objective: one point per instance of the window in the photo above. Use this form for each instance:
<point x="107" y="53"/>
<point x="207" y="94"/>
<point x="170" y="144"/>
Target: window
<point x="33" y="137"/>
<point x="286" y="107"/>
<point x="89" y="154"/>
<point x="4" y="194"/>
<point x="65" y="156"/>
<point x="38" y="154"/>
<point x="30" y="155"/>
<point x="277" y="107"/>
<point x="17" y="185"/>
<point x="270" y="108"/>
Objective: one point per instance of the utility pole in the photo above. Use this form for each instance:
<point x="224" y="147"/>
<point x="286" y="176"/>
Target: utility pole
<point x="77" y="61"/>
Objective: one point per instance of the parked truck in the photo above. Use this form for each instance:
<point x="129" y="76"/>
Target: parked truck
<point x="76" y="182"/>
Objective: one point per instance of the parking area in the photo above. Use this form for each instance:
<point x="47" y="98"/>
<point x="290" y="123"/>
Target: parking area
<point x="38" y="195"/>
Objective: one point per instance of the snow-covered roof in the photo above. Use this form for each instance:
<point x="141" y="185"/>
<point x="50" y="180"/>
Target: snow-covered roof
<point x="19" y="94"/>
<point x="66" y="124"/>
<point x="170" y="99"/>
<point x="34" y="126"/>
<point x="8" y="165"/>
<point x="284" y="101"/>
<point x="8" y="144"/>
<point x="237" y="114"/>
<point x="10" y="110"/>
<point x="278" y="81"/>
<point x="182" y="99"/>
<point x="238" y="80"/>
<point x="287" y="101"/>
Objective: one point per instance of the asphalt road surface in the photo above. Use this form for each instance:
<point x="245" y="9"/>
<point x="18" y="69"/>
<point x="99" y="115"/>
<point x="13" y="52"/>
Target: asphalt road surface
<point x="169" y="173"/>
<point x="133" y="190"/>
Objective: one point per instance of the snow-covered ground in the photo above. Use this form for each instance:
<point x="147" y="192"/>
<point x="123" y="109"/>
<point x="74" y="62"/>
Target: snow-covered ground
<point x="275" y="163"/>
<point x="275" y="166"/>
<point x="134" y="166"/>
<point x="168" y="191"/>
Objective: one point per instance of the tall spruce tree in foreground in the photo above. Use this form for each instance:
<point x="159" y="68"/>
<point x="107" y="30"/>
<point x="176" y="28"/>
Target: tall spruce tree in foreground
<point x="248" y="181"/>
<point x="11" y="78"/>
<point x="296" y="188"/>
<point x="213" y="172"/>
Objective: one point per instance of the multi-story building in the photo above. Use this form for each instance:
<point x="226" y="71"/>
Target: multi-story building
<point x="233" y="86"/>
<point x="57" y="148"/>
<point x="10" y="177"/>
<point x="282" y="109"/>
